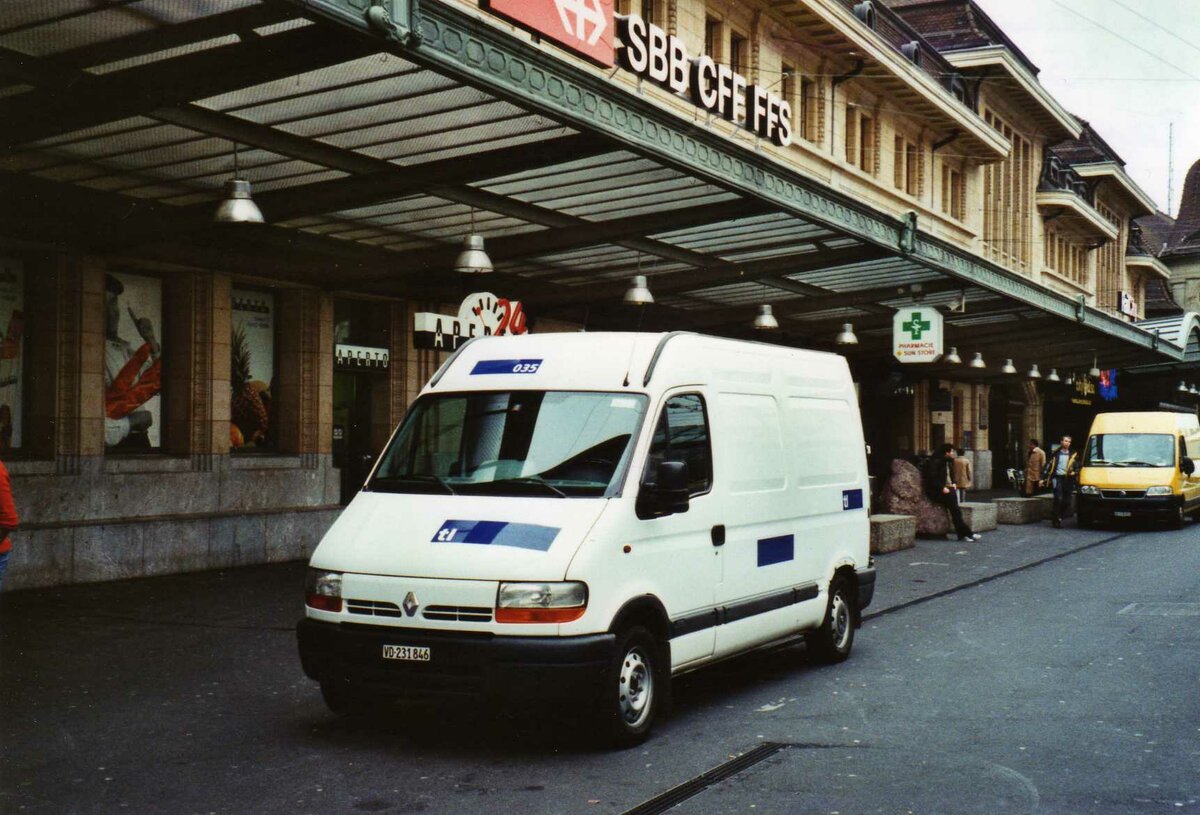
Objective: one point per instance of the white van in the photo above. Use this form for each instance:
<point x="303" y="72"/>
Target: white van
<point x="585" y="515"/>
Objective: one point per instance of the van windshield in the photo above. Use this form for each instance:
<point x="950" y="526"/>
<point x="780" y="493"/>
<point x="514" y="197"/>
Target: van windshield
<point x="1130" y="450"/>
<point x="561" y="444"/>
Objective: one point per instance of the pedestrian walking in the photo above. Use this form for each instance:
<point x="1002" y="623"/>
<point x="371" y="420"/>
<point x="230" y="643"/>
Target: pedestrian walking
<point x="961" y="468"/>
<point x="1060" y="472"/>
<point x="1035" y="462"/>
<point x="940" y="487"/>
<point x="8" y="520"/>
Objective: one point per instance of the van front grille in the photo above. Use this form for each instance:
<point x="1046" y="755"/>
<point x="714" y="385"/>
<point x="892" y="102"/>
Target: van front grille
<point x="373" y="608"/>
<point x="462" y="614"/>
<point x="1123" y="493"/>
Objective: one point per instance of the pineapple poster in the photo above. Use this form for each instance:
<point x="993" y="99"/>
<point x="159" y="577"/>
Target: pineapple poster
<point x="12" y="323"/>
<point x="252" y="369"/>
<point x="132" y="362"/>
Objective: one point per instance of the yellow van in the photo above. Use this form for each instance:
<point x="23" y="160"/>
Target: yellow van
<point x="1139" y="465"/>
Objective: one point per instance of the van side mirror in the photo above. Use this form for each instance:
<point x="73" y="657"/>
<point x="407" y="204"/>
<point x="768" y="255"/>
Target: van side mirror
<point x="1187" y="466"/>
<point x="669" y="494"/>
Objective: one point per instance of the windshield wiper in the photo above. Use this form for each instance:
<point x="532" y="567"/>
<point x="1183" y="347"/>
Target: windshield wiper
<point x="421" y="479"/>
<point x="1136" y="463"/>
<point x="1099" y="462"/>
<point x="533" y="479"/>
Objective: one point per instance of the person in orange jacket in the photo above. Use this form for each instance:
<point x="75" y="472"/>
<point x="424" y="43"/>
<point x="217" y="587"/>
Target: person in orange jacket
<point x="8" y="520"/>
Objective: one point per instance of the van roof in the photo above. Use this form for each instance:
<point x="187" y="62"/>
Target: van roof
<point x="1143" y="422"/>
<point x="622" y="361"/>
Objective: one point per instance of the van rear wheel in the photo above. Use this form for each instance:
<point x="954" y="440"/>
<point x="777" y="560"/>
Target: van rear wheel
<point x="833" y="640"/>
<point x="635" y="689"/>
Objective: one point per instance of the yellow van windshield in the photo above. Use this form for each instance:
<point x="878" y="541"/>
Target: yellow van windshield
<point x="1130" y="450"/>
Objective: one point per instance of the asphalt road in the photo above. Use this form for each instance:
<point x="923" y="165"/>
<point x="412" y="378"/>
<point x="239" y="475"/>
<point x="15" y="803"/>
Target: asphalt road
<point x="1038" y="671"/>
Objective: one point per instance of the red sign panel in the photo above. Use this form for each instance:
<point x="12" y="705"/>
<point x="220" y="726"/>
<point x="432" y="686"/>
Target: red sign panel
<point x="582" y="26"/>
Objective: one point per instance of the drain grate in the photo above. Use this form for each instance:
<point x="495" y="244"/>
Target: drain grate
<point x="1161" y="610"/>
<point x="689" y="789"/>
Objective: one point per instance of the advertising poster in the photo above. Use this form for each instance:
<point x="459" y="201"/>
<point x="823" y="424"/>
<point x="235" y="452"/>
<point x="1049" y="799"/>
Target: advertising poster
<point x="251" y="410"/>
<point x="132" y="363"/>
<point x="12" y="348"/>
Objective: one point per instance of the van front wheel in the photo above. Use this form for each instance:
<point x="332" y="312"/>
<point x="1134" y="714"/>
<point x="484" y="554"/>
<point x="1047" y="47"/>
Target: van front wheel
<point x="833" y="640"/>
<point x="635" y="688"/>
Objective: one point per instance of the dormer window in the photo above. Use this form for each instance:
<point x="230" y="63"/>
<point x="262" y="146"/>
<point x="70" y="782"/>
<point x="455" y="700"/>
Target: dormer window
<point x="865" y="11"/>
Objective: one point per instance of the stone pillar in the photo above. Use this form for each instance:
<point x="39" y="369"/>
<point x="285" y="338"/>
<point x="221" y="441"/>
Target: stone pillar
<point x="221" y="369"/>
<point x="305" y="351"/>
<point x="1032" y="421"/>
<point x="43" y="329"/>
<point x="922" y="431"/>
<point x="196" y="367"/>
<point x="65" y="373"/>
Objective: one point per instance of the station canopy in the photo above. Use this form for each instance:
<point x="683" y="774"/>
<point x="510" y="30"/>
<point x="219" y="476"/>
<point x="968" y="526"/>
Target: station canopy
<point x="372" y="155"/>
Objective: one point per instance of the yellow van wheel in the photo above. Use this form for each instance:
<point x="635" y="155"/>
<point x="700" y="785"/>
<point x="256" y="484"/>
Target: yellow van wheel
<point x="1180" y="516"/>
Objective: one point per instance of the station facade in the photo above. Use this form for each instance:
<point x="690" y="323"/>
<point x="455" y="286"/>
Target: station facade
<point x="181" y="394"/>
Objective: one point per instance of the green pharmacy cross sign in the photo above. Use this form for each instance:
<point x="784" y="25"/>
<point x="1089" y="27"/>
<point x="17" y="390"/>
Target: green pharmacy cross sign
<point x="917" y="334"/>
<point x="916" y="326"/>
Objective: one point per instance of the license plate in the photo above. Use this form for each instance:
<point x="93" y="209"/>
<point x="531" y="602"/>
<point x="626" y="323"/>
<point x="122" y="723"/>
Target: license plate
<point x="407" y="653"/>
<point x="1122" y="514"/>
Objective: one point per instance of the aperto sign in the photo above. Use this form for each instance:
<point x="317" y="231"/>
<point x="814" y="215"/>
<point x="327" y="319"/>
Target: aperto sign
<point x="582" y="26"/>
<point x="917" y="334"/>
<point x="649" y="51"/>
<point x="481" y="314"/>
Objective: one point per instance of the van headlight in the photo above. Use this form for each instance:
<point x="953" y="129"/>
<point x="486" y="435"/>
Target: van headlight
<point x="540" y="602"/>
<point x="1159" y="492"/>
<point x="323" y="590"/>
<point x="1088" y="489"/>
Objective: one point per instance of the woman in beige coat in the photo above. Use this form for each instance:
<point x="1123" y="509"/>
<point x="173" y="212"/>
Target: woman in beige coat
<point x="961" y="465"/>
<point x="1033" y="467"/>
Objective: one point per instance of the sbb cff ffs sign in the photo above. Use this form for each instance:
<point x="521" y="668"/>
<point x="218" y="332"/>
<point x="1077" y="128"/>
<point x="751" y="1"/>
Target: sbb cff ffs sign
<point x="582" y="26"/>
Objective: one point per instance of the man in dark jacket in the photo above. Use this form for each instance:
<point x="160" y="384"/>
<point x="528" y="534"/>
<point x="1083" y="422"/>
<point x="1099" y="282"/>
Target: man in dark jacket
<point x="1060" y="471"/>
<point x="939" y="486"/>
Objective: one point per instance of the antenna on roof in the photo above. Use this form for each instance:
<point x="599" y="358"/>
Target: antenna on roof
<point x="1170" y="167"/>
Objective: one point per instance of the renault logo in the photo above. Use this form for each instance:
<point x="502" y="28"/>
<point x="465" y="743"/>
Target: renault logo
<point x="411" y="604"/>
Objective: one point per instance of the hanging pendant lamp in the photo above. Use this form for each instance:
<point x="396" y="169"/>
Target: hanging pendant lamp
<point x="952" y="358"/>
<point x="1054" y="377"/>
<point x="1008" y="368"/>
<point x="237" y="207"/>
<point x="638" y="293"/>
<point x="765" y="321"/>
<point x="473" y="259"/>
<point x="847" y="335"/>
<point x="978" y="362"/>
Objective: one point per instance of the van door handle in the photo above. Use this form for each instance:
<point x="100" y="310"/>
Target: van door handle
<point x="718" y="535"/>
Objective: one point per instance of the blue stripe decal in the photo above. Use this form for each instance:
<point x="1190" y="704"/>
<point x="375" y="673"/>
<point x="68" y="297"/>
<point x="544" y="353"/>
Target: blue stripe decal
<point x="506" y="366"/>
<point x="776" y="550"/>
<point x="497" y="533"/>
<point x="852" y="499"/>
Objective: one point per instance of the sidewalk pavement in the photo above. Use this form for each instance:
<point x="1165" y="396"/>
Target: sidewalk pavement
<point x="934" y="567"/>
